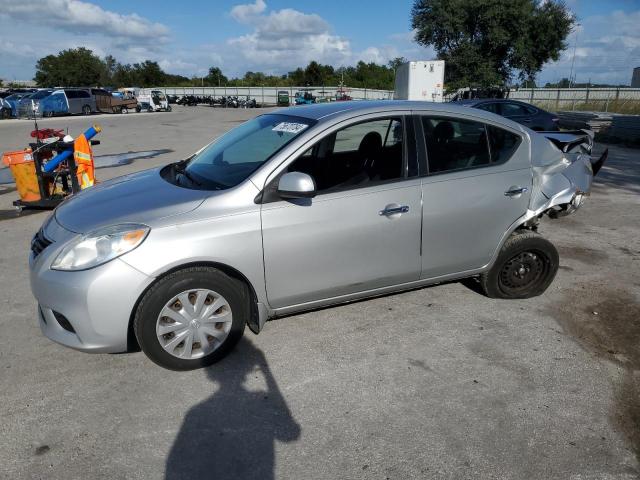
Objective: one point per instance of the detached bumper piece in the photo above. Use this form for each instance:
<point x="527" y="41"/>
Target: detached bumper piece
<point x="597" y="165"/>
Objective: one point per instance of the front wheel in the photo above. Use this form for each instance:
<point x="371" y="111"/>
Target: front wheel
<point x="192" y="318"/>
<point x="525" y="267"/>
<point x="86" y="110"/>
<point x="124" y="110"/>
<point x="138" y="108"/>
<point x="169" y="108"/>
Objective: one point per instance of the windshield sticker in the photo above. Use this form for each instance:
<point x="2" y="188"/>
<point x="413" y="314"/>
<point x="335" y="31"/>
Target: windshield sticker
<point x="289" y="127"/>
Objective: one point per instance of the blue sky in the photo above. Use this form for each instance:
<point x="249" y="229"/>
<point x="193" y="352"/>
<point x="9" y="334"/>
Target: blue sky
<point x="277" y="35"/>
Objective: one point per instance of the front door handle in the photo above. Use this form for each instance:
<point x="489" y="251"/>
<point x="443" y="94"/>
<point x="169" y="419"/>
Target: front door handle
<point x="394" y="209"/>
<point x="515" y="191"/>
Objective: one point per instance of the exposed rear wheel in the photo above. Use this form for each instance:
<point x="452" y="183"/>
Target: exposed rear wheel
<point x="192" y="318"/>
<point x="525" y="267"/>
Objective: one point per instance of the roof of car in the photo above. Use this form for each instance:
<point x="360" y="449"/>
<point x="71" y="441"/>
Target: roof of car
<point x="476" y="101"/>
<point x="326" y="111"/>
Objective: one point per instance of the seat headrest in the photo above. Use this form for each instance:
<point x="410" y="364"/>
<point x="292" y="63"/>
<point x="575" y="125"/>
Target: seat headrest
<point x="370" y="144"/>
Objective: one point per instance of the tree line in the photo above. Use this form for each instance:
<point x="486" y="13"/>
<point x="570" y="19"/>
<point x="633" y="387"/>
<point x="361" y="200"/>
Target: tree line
<point x="81" y="67"/>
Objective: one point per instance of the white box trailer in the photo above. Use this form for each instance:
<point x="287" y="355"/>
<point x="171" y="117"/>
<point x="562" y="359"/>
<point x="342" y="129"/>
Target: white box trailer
<point x="422" y="80"/>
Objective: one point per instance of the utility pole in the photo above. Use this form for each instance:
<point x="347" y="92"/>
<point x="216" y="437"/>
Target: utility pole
<point x="573" y="59"/>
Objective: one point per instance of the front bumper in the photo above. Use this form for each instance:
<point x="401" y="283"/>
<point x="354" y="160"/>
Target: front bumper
<point x="97" y="304"/>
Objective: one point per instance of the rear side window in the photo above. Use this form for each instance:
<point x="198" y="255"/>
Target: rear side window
<point x="456" y="144"/>
<point x="490" y="107"/>
<point x="71" y="93"/>
<point x="503" y="144"/>
<point x="513" y="110"/>
<point x="83" y="94"/>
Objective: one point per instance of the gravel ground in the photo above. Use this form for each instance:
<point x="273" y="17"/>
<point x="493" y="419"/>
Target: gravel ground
<point x="439" y="382"/>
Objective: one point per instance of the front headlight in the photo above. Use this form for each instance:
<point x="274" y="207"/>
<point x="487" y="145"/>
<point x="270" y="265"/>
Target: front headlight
<point x="100" y="246"/>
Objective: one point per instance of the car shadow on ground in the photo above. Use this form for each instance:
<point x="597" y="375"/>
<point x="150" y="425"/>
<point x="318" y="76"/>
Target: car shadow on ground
<point x="232" y="433"/>
<point x="621" y="170"/>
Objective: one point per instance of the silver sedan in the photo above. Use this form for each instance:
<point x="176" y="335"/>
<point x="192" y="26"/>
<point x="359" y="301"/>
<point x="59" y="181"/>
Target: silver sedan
<point x="302" y="208"/>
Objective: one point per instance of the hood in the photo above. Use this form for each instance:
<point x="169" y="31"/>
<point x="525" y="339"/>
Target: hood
<point x="142" y="197"/>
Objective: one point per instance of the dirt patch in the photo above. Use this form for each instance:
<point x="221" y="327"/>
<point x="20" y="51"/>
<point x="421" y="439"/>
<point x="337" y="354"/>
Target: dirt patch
<point x="606" y="322"/>
<point x="582" y="254"/>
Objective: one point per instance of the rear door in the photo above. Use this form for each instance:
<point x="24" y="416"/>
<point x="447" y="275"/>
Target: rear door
<point x="477" y="183"/>
<point x="361" y="231"/>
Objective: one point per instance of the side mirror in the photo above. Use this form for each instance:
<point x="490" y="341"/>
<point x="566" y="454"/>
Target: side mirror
<point x="296" y="185"/>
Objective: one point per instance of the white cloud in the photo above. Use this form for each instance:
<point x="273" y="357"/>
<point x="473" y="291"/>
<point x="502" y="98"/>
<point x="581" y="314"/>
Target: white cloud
<point x="285" y="39"/>
<point x="78" y="16"/>
<point x="607" y="47"/>
<point x="247" y="12"/>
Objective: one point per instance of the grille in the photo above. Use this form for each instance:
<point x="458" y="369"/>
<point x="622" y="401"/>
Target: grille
<point x="39" y="243"/>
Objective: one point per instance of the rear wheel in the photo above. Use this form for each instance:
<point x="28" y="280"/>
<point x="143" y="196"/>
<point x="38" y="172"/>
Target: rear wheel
<point x="86" y="110"/>
<point x="525" y="267"/>
<point x="138" y="108"/>
<point x="124" y="110"/>
<point x="192" y="318"/>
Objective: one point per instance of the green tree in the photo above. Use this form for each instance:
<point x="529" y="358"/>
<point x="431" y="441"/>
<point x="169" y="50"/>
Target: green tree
<point x="73" y="67"/>
<point x="215" y="78"/>
<point x="396" y="62"/>
<point x="486" y="42"/>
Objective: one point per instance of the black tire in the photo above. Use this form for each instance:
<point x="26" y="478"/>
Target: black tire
<point x="150" y="110"/>
<point x="233" y="290"/>
<point x="86" y="110"/>
<point x="169" y="108"/>
<point x="124" y="110"/>
<point x="525" y="267"/>
<point x="138" y="108"/>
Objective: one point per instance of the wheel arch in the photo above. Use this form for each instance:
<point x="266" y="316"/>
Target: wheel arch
<point x="259" y="312"/>
<point x="522" y="223"/>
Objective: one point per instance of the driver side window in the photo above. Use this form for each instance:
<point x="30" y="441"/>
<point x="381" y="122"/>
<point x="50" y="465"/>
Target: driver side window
<point x="356" y="156"/>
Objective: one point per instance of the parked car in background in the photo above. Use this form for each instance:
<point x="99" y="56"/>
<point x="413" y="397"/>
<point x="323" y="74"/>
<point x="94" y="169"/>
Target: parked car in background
<point x="13" y="101"/>
<point x="533" y="117"/>
<point x="283" y="98"/>
<point x="299" y="209"/>
<point x="155" y="101"/>
<point x="11" y="91"/>
<point x="29" y="105"/>
<point x="80" y="100"/>
<point x="5" y="109"/>
<point x="55" y="104"/>
<point x="107" y="102"/>
<point x="304" y="97"/>
<point x="65" y="101"/>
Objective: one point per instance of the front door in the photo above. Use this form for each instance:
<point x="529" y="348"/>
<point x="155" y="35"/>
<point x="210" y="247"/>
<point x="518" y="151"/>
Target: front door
<point x="478" y="183"/>
<point x="361" y="231"/>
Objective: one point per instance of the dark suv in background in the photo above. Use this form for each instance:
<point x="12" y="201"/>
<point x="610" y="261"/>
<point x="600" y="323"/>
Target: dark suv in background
<point x="524" y="113"/>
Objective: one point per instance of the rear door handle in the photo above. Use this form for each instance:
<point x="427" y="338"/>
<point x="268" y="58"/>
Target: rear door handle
<point x="515" y="191"/>
<point x="394" y="209"/>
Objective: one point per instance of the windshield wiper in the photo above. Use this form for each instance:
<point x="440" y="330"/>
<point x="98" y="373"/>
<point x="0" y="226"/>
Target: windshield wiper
<point x="181" y="168"/>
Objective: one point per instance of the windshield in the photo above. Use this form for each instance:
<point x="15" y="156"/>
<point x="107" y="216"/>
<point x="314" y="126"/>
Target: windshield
<point x="240" y="152"/>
